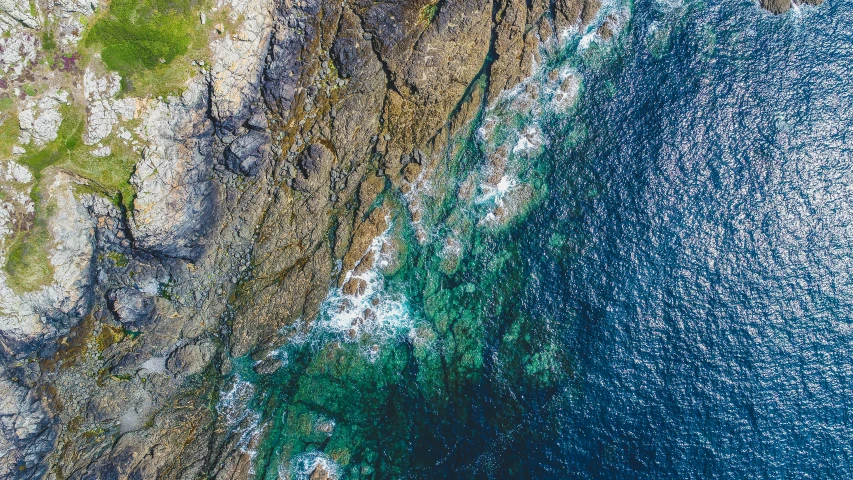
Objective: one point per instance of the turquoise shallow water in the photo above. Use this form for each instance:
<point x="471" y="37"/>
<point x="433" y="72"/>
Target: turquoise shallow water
<point x="671" y="298"/>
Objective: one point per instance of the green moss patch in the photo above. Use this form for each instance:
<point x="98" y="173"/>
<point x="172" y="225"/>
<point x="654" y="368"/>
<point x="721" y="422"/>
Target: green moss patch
<point x="111" y="173"/>
<point x="429" y="12"/>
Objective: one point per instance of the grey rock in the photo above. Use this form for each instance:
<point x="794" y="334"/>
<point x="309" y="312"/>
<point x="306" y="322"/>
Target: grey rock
<point x="248" y="152"/>
<point x="258" y="121"/>
<point x="282" y="73"/>
<point x="24" y="433"/>
<point x="131" y="307"/>
<point x="175" y="203"/>
<point x="190" y="359"/>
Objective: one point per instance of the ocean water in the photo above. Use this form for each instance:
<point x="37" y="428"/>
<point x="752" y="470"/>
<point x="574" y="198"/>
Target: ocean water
<point x="640" y="270"/>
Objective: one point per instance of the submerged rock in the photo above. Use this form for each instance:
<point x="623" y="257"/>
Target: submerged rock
<point x="782" y="6"/>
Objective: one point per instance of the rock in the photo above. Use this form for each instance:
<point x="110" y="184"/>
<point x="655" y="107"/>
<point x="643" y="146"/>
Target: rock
<point x="363" y="236"/>
<point x="102" y="151"/>
<point x="411" y="172"/>
<point x="782" y="6"/>
<point x="41" y="118"/>
<point x="355" y="287"/>
<point x="190" y="359"/>
<point x="776" y="6"/>
<point x="267" y="365"/>
<point x="320" y="473"/>
<point x="131" y="306"/>
<point x="248" y="152"/>
<point x="103" y="109"/>
<point x="236" y="71"/>
<point x="16" y="11"/>
<point x="368" y="191"/>
<point x="175" y="200"/>
<point x="314" y="164"/>
<point x="258" y="121"/>
<point x="347" y="57"/>
<point x="50" y="310"/>
<point x="83" y="7"/>
<point x="311" y="162"/>
<point x="18" y="50"/>
<point x="25" y="435"/>
<point x="285" y="63"/>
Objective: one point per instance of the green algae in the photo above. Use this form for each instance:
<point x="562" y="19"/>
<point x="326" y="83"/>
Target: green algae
<point x="120" y="260"/>
<point x="9" y="129"/>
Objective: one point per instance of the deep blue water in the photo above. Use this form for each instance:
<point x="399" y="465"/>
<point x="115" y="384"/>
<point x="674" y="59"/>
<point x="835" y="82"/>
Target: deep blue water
<point x="710" y="301"/>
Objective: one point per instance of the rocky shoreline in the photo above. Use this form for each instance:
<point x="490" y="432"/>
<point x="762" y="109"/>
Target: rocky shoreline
<point x="254" y="190"/>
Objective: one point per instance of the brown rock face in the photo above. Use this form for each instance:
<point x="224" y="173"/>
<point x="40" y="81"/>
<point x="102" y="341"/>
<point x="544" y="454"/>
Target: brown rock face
<point x="354" y="286"/>
<point x="362" y="237"/>
<point x="369" y="190"/>
<point x="320" y="473"/>
<point x="776" y="6"/>
<point x="782" y="6"/>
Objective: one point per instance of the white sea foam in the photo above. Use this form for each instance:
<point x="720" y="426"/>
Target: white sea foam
<point x="669" y="5"/>
<point x="234" y="408"/>
<point x="565" y="91"/>
<point x="372" y="311"/>
<point x="303" y="465"/>
<point x="529" y="140"/>
<point x="496" y="193"/>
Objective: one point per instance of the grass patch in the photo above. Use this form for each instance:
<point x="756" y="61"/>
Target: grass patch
<point x="141" y="40"/>
<point x="27" y="263"/>
<point x="48" y="39"/>
<point x="70" y="137"/>
<point x="9" y="129"/>
<point x="111" y="173"/>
